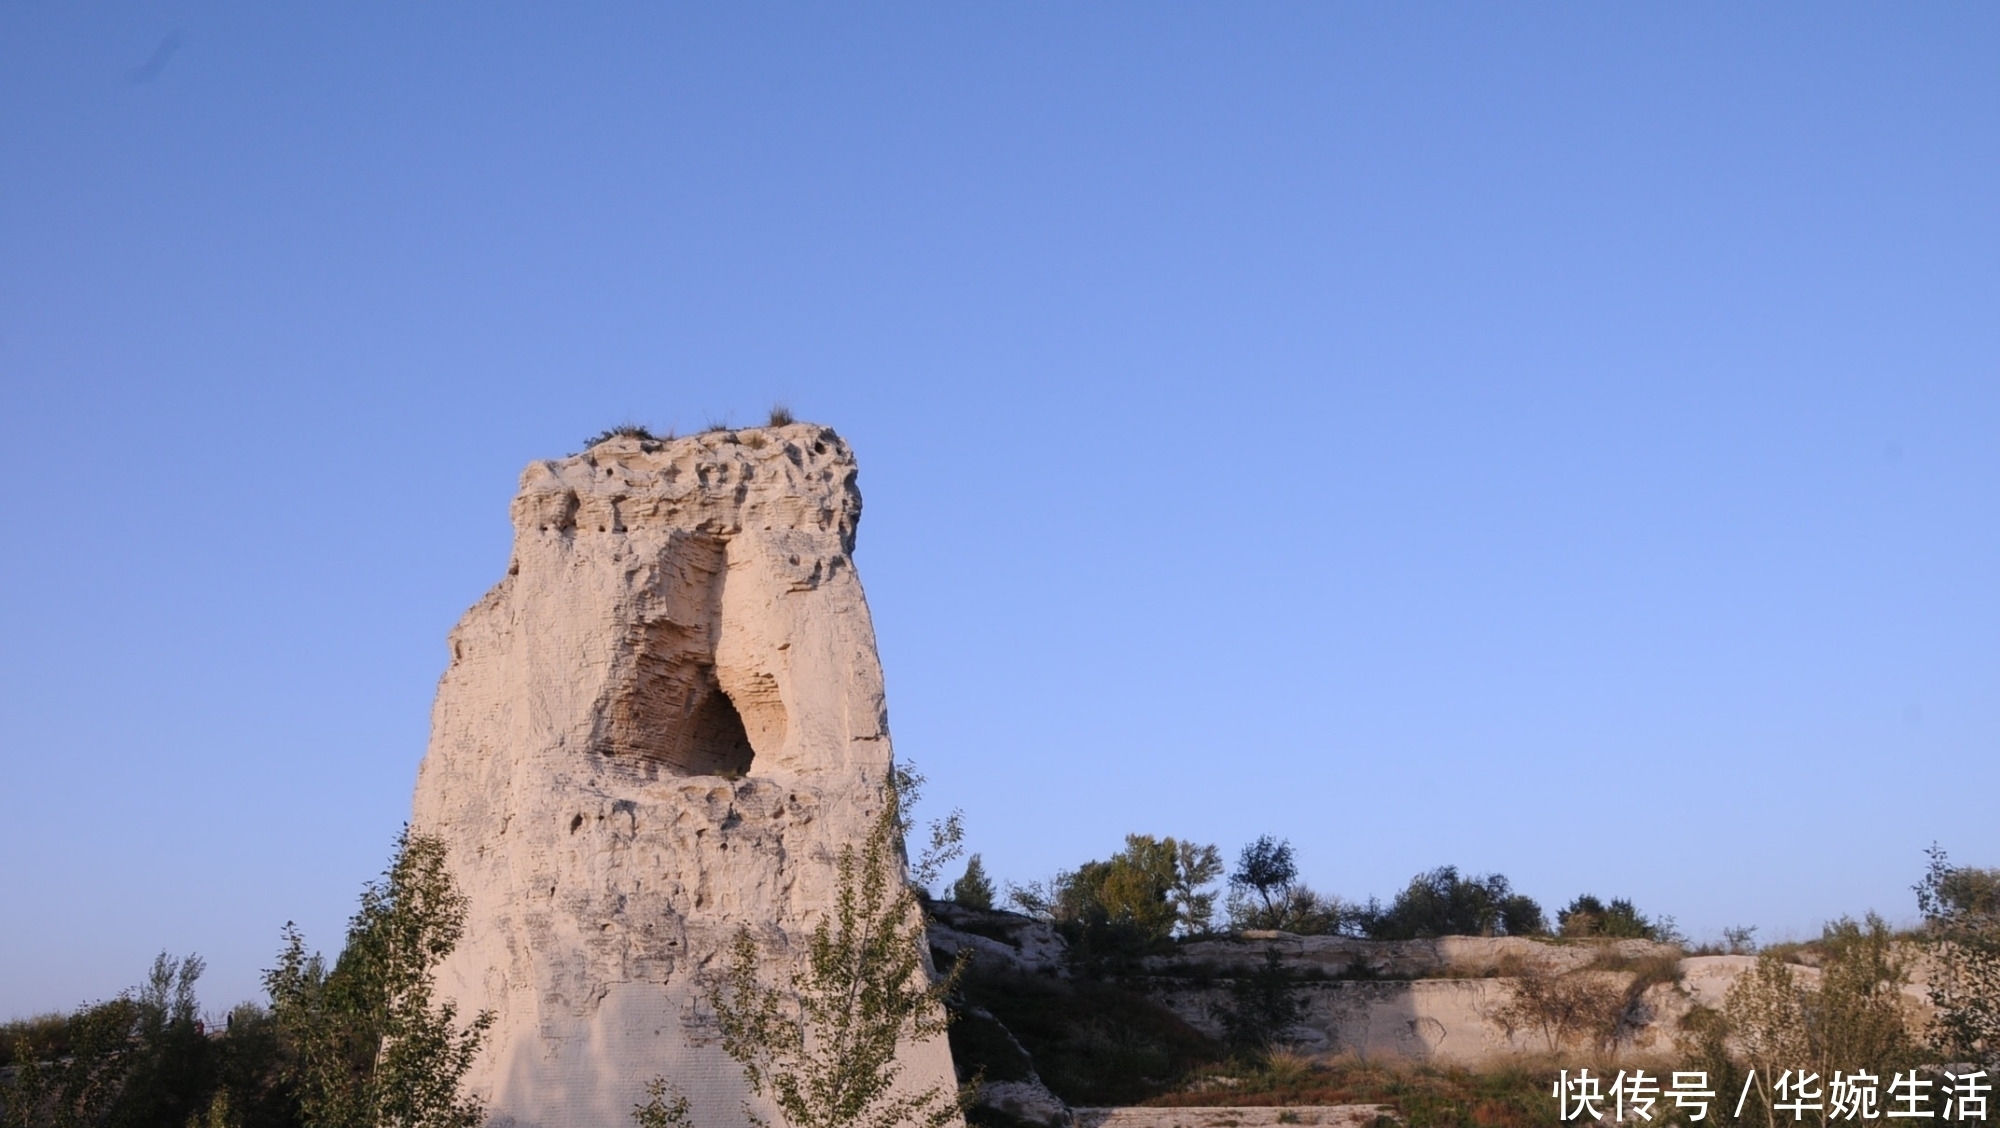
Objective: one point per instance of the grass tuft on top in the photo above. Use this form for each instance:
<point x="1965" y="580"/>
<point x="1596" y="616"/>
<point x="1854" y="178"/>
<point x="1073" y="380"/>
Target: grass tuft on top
<point x="781" y="416"/>
<point x="626" y="431"/>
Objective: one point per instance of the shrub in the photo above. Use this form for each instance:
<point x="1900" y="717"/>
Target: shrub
<point x="1297" y="909"/>
<point x="1262" y="1008"/>
<point x="1852" y="1019"/>
<point x="1444" y="903"/>
<point x="1579" y="1008"/>
<point x="1266" y="868"/>
<point x="1587" y="916"/>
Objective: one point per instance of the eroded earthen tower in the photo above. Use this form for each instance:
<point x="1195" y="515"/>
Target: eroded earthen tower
<point x="660" y="726"/>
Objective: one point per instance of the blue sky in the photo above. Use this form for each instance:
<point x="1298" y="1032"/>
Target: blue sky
<point x="1552" y="439"/>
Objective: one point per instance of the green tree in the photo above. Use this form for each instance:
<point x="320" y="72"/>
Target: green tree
<point x="369" y="1046"/>
<point x="1154" y="887"/>
<point x="1443" y="902"/>
<point x="1619" y="920"/>
<point x="975" y="889"/>
<point x="823" y="1046"/>
<point x="1961" y="907"/>
<point x="1265" y="868"/>
<point x="1265" y="893"/>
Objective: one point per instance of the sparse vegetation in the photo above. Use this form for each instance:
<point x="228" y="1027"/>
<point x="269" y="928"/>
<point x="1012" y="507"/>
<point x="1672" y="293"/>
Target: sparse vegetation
<point x="1961" y="908"/>
<point x="1093" y="1041"/>
<point x="823" y="1046"/>
<point x="1582" y="1009"/>
<point x="781" y="416"/>
<point x="626" y="431"/>
<point x="1262" y="1008"/>
<point x="666" y="1106"/>
<point x="357" y="1046"/>
<point x="1849" y="1017"/>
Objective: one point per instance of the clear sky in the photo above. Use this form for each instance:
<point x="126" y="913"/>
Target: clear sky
<point x="1549" y="439"/>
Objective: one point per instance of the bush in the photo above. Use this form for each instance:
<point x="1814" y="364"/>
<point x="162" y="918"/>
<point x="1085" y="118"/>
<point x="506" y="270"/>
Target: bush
<point x="1262" y="1008"/>
<point x="1092" y="1042"/>
<point x="1589" y="917"/>
<point x="1444" y="903"/>
<point x="1583" y="1009"/>
<point x="624" y="431"/>
<point x="1851" y="1019"/>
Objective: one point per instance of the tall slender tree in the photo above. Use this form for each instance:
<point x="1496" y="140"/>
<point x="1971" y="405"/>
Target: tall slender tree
<point x="371" y="1048"/>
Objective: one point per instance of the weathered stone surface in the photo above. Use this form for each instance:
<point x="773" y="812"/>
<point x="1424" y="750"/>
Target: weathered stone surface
<point x="661" y="726"/>
<point x="998" y="939"/>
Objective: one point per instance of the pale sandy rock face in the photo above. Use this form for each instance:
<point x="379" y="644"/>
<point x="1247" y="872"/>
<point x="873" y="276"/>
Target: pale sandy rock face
<point x="660" y="727"/>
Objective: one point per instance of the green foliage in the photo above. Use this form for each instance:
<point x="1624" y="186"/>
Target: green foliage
<point x="975" y="889"/>
<point x="251" y="1071"/>
<point x="1114" y="911"/>
<point x="1265" y="893"/>
<point x="1961" y="907"/>
<point x="1297" y="909"/>
<point x="1444" y="903"/>
<point x="23" y="1038"/>
<point x="1265" y="867"/>
<point x="370" y="1049"/>
<point x="1620" y="920"/>
<point x="1852" y="1019"/>
<point x="823" y="1048"/>
<point x="946" y="836"/>
<point x="138" y="1060"/>
<point x="666" y="1106"/>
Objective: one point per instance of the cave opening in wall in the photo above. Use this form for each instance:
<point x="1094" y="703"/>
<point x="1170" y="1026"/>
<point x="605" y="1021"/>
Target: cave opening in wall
<point x="671" y="715"/>
<point x="717" y="743"/>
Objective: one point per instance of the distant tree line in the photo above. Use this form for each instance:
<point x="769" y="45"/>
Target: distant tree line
<point x="1160" y="889"/>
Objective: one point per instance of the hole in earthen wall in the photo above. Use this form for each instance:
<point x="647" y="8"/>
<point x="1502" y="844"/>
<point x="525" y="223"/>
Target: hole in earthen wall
<point x="671" y="709"/>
